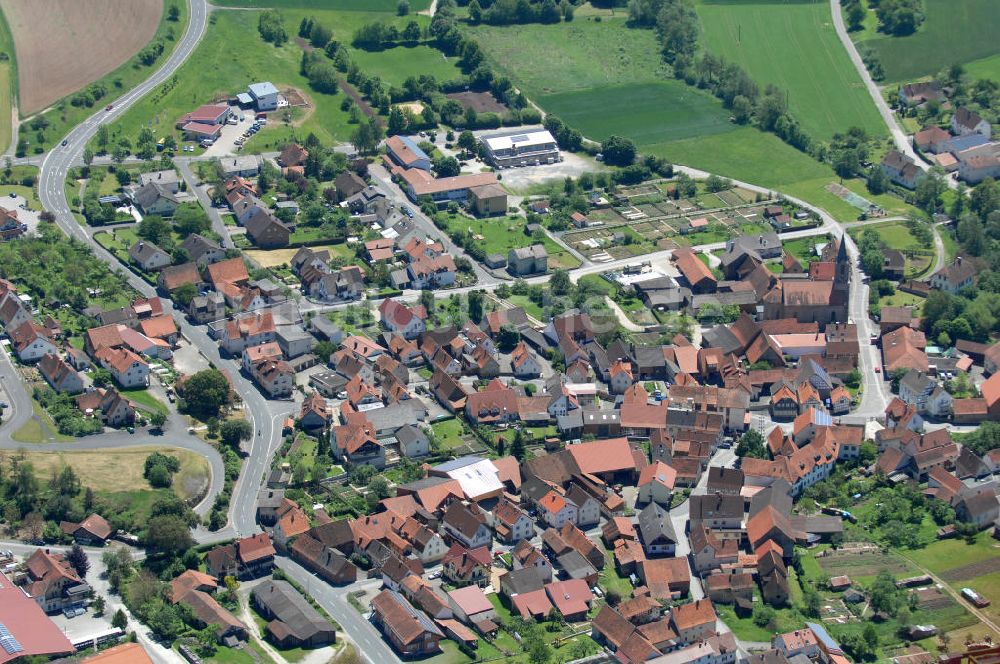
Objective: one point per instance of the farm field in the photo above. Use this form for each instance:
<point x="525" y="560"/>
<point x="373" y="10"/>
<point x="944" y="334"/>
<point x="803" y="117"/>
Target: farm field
<point x="395" y="65"/>
<point x="119" y="469"/>
<point x="118" y="70"/>
<point x="955" y="31"/>
<point x="648" y="113"/>
<point x="76" y="44"/>
<point x="576" y="71"/>
<point x="794" y="46"/>
<point x="212" y="72"/>
<point x="582" y="54"/>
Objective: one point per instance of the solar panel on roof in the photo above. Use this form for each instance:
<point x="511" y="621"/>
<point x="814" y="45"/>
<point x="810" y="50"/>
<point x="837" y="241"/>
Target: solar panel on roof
<point x="8" y="642"/>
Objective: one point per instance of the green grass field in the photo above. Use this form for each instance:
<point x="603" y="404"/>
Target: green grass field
<point x="648" y="113"/>
<point x="501" y="235"/>
<point x="955" y="31"/>
<point x="794" y="46"/>
<point x="548" y="59"/>
<point x="214" y="72"/>
<point x="395" y="65"/>
<point x="602" y="78"/>
<point x="984" y="68"/>
<point x="8" y="83"/>
<point x="343" y="5"/>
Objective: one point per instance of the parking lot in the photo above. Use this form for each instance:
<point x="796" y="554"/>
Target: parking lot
<point x="226" y="143"/>
<point x="19" y="204"/>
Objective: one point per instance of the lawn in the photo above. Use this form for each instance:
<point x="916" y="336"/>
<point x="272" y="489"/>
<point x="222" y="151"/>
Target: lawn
<point x="745" y="154"/>
<point x="901" y="299"/>
<point x="448" y="433"/>
<point x="8" y="77"/>
<point x="528" y="305"/>
<point x="943" y="555"/>
<point x="984" y="68"/>
<point x="40" y="429"/>
<point x="955" y="31"/>
<point x="395" y="65"/>
<point x="602" y="78"/>
<point x="582" y="54"/>
<point x="803" y="249"/>
<point x="501" y="235"/>
<point x="344" y="5"/>
<point x="145" y="400"/>
<point x="794" y="46"/>
<point x="610" y="579"/>
<point x="648" y="113"/>
<point x="896" y="235"/>
<point x="114" y="470"/>
<point x="216" y="70"/>
<point x="63" y="116"/>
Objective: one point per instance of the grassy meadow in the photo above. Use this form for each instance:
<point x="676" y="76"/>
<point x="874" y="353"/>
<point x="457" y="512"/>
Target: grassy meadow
<point x="955" y="31"/>
<point x="793" y="46"/>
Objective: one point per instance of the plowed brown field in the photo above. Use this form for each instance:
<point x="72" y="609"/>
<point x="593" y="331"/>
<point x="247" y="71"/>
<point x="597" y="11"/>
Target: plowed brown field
<point x="64" y="45"/>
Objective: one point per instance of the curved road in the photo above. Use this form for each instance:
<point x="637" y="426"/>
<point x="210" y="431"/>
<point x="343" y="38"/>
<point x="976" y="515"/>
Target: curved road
<point x="899" y="136"/>
<point x="264" y="415"/>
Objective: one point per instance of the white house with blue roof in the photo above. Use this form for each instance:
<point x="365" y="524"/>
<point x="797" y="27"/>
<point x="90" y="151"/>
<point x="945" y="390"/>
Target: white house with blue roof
<point x="264" y="95"/>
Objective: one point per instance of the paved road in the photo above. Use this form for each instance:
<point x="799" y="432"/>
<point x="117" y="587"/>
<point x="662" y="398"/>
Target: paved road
<point x="14" y="392"/>
<point x="184" y="166"/>
<point x="371" y="646"/>
<point x="899" y="136"/>
<point x="424" y="224"/>
<point x="266" y="416"/>
<point x="97" y="580"/>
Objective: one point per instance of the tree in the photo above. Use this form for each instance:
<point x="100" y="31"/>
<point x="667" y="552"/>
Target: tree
<point x="233" y="431"/>
<point x="119" y="620"/>
<point x="618" y="151"/>
<point x="517" y="447"/>
<point x="751" y="445"/>
<point x="884" y="596"/>
<point x="160" y="477"/>
<point x="190" y="218"/>
<point x="508" y="338"/>
<point x="411" y="33"/>
<point x="930" y="188"/>
<point x="98" y="606"/>
<point x="559" y="283"/>
<point x="272" y="27"/>
<point x="447" y="167"/>
<point x="813" y="602"/>
<point x="154" y="228"/>
<point x="204" y="393"/>
<point x="467" y="141"/>
<point x="856" y="14"/>
<point x="174" y="13"/>
<point x="379" y="486"/>
<point x="184" y="294"/>
<point x="476" y="299"/>
<point x="77" y="559"/>
<point x="403" y="8"/>
<point x="475" y="12"/>
<point x="397" y="121"/>
<point x="168" y="534"/>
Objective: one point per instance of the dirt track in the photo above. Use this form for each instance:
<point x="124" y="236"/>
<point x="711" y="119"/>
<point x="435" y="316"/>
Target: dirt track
<point x="64" y="45"/>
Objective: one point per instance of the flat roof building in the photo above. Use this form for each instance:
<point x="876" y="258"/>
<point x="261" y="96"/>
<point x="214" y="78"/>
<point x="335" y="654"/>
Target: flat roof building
<point x="523" y="148"/>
